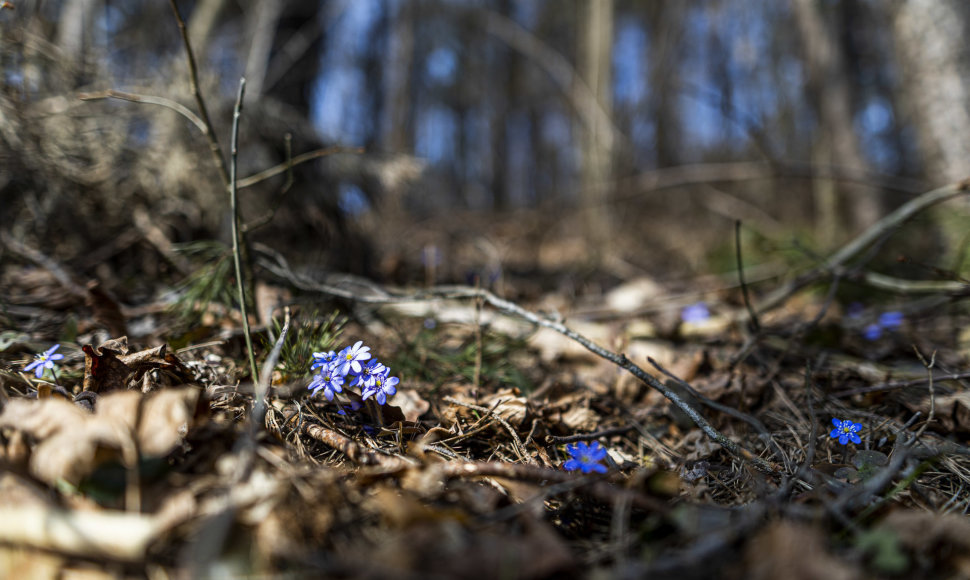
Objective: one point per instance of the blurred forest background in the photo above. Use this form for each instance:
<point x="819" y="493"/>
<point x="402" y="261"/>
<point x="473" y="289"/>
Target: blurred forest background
<point x="579" y="142"/>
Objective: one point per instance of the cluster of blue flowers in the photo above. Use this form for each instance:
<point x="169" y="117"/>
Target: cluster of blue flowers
<point x="887" y="321"/>
<point x="348" y="368"/>
<point x="891" y="320"/>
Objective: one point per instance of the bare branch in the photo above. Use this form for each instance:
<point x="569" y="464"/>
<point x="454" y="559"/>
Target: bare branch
<point x="149" y="99"/>
<point x="209" y="130"/>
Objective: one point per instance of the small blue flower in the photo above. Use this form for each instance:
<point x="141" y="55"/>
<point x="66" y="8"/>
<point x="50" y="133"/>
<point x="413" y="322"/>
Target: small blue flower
<point x="350" y="358"/>
<point x="384" y="387"/>
<point x="585" y="457"/>
<point x="846" y="431"/>
<point x="695" y="313"/>
<point x="322" y="358"/>
<point x="44" y="361"/>
<point x="328" y="381"/>
<point x="367" y="379"/>
<point x="872" y="332"/>
<point x="892" y="319"/>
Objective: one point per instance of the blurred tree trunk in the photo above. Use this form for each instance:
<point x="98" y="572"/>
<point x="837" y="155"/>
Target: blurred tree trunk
<point x="200" y="24"/>
<point x="261" y="22"/>
<point x="396" y="123"/>
<point x="930" y="38"/>
<point x="931" y="43"/>
<point x="836" y="143"/>
<point x="501" y="98"/>
<point x="596" y="140"/>
<point x="373" y="68"/>
<point x="664" y="21"/>
<point x="75" y="24"/>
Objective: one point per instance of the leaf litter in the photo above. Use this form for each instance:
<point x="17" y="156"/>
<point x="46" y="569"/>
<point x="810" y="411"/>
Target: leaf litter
<point x="145" y="462"/>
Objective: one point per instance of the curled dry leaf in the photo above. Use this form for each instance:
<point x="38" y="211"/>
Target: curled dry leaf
<point x="412" y="404"/>
<point x="952" y="411"/>
<point x="71" y="442"/>
<point x="580" y="419"/>
<point x="109" y="367"/>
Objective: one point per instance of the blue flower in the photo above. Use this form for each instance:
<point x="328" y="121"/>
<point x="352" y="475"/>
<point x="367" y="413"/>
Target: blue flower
<point x="384" y="387"/>
<point x="322" y="358"/>
<point x="893" y="319"/>
<point x="695" y="313"/>
<point x="44" y="361"/>
<point x="350" y="358"/>
<point x="872" y="332"/>
<point x="327" y="380"/>
<point x="585" y="457"/>
<point x="846" y="431"/>
<point x="366" y="379"/>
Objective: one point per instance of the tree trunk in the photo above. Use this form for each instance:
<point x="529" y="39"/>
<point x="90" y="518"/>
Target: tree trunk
<point x="930" y="39"/>
<point x="837" y="143"/>
<point x="931" y="43"/>
<point x="396" y="128"/>
<point x="596" y="140"/>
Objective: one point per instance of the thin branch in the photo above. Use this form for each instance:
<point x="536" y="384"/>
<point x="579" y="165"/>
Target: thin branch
<point x="836" y="262"/>
<point x="289" y="164"/>
<point x="234" y="208"/>
<point x="148" y="99"/>
<point x="266" y="377"/>
<point x="590" y="436"/>
<point x="519" y="448"/>
<point x="209" y="131"/>
<point x="890" y="386"/>
<point x="281" y="269"/>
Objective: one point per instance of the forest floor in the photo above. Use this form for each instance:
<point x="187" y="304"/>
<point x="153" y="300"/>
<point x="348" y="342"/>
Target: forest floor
<point x="142" y="452"/>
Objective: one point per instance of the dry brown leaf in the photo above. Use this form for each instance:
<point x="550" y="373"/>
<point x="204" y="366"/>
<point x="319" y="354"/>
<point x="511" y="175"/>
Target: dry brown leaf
<point x="794" y="552"/>
<point x="699" y="446"/>
<point x="553" y="345"/>
<point x="506" y="404"/>
<point x="952" y="411"/>
<point x="925" y="532"/>
<point x="71" y="442"/>
<point x="18" y="562"/>
<point x="632" y="295"/>
<point x="581" y="419"/>
<point x="109" y="367"/>
<point x="411" y="403"/>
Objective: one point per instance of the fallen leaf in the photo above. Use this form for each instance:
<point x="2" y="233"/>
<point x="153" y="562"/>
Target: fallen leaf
<point x="795" y="551"/>
<point x="71" y="442"/>
<point x="109" y="367"/>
